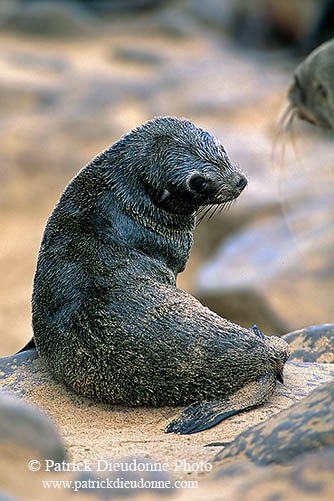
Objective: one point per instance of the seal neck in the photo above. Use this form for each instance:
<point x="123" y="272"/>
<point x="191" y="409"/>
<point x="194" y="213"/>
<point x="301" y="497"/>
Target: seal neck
<point x="157" y="219"/>
<point x="122" y="200"/>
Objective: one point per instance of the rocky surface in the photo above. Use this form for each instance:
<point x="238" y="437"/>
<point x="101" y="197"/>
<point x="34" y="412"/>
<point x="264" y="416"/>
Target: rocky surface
<point x="308" y="477"/>
<point x="28" y="429"/>
<point x="305" y="426"/>
<point x="47" y="17"/>
<point x="312" y="344"/>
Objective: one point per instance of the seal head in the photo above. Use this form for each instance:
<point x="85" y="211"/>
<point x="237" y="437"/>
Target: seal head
<point x="311" y="94"/>
<point x="182" y="168"/>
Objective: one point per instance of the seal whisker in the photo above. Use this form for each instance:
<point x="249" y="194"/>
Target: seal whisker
<point x="213" y="211"/>
<point x="206" y="211"/>
<point x="228" y="205"/>
<point x="290" y="119"/>
<point x="286" y="117"/>
<point x="284" y="126"/>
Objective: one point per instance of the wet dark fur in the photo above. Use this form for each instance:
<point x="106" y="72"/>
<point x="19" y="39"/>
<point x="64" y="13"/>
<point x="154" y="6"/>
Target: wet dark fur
<point x="311" y="94"/>
<point x="108" y="318"/>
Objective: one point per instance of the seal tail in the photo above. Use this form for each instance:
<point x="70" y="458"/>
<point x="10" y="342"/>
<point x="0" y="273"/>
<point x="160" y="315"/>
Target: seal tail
<point x="202" y="416"/>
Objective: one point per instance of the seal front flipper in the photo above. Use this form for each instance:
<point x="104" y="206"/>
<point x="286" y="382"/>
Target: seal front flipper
<point x="201" y="416"/>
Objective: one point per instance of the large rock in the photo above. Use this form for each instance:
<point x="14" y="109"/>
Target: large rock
<point x="25" y="427"/>
<point x="267" y="23"/>
<point x="28" y="438"/>
<point x="309" y="477"/>
<point x="49" y="18"/>
<point x="106" y="6"/>
<point x="312" y="344"/>
<point x="306" y="426"/>
<point x="214" y="13"/>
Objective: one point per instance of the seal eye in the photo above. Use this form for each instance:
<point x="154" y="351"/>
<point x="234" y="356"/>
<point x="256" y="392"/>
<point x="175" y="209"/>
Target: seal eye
<point x="321" y="90"/>
<point x="198" y="183"/>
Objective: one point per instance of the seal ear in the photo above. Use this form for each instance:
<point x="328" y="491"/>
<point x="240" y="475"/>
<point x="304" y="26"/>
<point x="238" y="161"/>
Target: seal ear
<point x="164" y="196"/>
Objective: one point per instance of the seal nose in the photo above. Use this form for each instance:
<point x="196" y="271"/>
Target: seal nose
<point x="242" y="183"/>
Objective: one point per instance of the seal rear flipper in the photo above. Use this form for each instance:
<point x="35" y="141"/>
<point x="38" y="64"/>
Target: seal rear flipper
<point x="29" y="346"/>
<point x="201" y="416"/>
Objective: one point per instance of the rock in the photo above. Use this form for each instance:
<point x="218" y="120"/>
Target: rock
<point x="8" y="8"/>
<point x="244" y="307"/>
<point x="135" y="55"/>
<point x="305" y="426"/>
<point x="49" y="18"/>
<point x="312" y="344"/>
<point x="45" y="64"/>
<point x="7" y="497"/>
<point x="174" y="23"/>
<point x="214" y="13"/>
<point x="268" y="23"/>
<point x="106" y="6"/>
<point x="308" y="477"/>
<point x="25" y="427"/>
<point x="205" y="88"/>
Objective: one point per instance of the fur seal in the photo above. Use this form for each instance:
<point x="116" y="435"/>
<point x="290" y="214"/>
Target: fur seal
<point x="107" y="316"/>
<point x="311" y="94"/>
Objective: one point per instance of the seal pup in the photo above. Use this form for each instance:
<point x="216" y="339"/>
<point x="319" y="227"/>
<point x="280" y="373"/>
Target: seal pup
<point x="311" y="94"/>
<point x="107" y="316"/>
